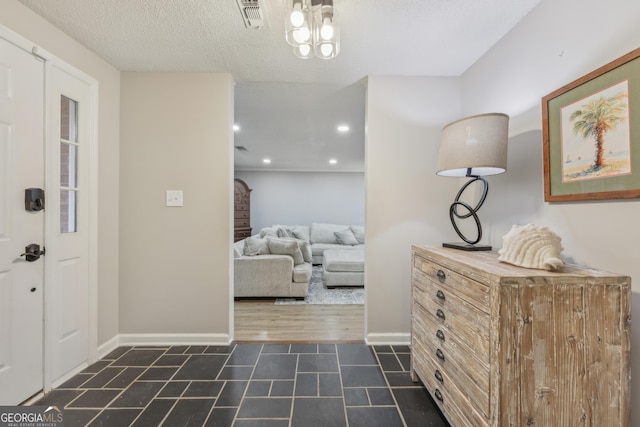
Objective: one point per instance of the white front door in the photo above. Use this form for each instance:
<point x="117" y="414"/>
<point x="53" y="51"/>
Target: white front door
<point x="21" y="167"/>
<point x="67" y="227"/>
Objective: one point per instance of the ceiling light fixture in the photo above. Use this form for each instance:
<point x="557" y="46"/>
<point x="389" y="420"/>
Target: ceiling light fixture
<point x="333" y="161"/>
<point x="266" y="161"/>
<point x="311" y="28"/>
<point x="343" y="128"/>
<point x="236" y="128"/>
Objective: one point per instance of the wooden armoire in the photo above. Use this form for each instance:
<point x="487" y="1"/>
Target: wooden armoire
<point x="242" y="210"/>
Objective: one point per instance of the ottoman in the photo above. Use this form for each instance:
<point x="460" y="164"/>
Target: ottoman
<point x="343" y="267"/>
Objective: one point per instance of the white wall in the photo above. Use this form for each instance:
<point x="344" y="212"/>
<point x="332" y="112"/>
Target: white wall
<point x="406" y="203"/>
<point x="31" y="26"/>
<point x="300" y="198"/>
<point x="543" y="53"/>
<point x="175" y="262"/>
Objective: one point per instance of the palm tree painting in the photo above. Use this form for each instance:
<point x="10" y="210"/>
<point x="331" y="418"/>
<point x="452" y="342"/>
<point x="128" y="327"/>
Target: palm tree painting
<point x="595" y="135"/>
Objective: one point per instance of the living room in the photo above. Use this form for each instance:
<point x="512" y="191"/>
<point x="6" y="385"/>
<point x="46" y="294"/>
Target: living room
<point x="188" y="269"/>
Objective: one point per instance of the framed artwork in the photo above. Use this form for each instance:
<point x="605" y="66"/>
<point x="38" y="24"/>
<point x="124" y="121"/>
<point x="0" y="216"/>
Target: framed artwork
<point x="591" y="135"/>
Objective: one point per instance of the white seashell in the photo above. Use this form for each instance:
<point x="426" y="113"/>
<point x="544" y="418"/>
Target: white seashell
<point x="531" y="246"/>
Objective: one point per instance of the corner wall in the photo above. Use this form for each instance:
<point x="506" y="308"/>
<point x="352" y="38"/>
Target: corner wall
<point x="406" y="203"/>
<point x="175" y="262"/>
<point x="543" y="53"/>
<point x="31" y="26"/>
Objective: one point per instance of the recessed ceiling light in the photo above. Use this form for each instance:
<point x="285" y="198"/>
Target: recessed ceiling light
<point x="343" y="128"/>
<point x="236" y="128"/>
<point x="266" y="161"/>
<point x="333" y="161"/>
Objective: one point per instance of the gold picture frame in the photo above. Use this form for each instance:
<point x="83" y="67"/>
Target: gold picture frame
<point x="591" y="135"/>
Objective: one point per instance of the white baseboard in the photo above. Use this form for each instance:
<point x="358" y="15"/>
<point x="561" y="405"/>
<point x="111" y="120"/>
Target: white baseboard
<point x="107" y="347"/>
<point x="72" y="373"/>
<point x="174" y="339"/>
<point x="388" y="339"/>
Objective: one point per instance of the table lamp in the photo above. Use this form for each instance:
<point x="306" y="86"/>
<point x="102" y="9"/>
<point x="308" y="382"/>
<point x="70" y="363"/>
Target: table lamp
<point x="473" y="147"/>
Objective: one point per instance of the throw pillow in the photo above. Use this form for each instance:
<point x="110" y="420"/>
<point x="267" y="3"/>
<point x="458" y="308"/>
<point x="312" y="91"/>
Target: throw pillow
<point x="346" y="237"/>
<point x="285" y="232"/>
<point x="358" y="231"/>
<point x="305" y="248"/>
<point x="268" y="232"/>
<point x="301" y="232"/>
<point x="286" y="247"/>
<point x="254" y="245"/>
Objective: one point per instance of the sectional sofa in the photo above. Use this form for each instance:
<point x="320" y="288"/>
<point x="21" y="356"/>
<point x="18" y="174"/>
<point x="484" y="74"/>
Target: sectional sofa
<point x="277" y="262"/>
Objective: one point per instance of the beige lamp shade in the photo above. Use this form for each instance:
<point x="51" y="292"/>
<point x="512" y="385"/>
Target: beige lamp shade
<point x="474" y="146"/>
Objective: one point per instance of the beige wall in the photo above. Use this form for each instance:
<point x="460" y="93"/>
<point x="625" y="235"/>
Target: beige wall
<point x="176" y="133"/>
<point x="513" y="77"/>
<point x="406" y="203"/>
<point x="29" y="25"/>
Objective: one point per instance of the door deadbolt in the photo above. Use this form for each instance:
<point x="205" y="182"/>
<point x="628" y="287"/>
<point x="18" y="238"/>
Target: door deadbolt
<point x="32" y="252"/>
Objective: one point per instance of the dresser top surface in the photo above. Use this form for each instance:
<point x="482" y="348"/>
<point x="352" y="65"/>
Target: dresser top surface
<point x="485" y="264"/>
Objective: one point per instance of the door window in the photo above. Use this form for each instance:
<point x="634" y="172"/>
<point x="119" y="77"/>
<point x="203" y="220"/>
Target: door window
<point x="68" y="165"/>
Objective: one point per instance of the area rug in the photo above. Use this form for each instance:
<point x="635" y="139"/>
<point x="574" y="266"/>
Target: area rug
<point x="319" y="294"/>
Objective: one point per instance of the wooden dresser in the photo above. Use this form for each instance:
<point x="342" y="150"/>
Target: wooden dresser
<point x="498" y="345"/>
<point x="242" y="210"/>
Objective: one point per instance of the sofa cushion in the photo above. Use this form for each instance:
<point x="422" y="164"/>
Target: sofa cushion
<point x="296" y="231"/>
<point x="301" y="232"/>
<point x="254" y="245"/>
<point x="337" y="260"/>
<point x="346" y="237"/>
<point x="358" y="231"/>
<point x="286" y="247"/>
<point x="323" y="233"/>
<point x="302" y="272"/>
<point x="305" y="248"/>
<point x="238" y="248"/>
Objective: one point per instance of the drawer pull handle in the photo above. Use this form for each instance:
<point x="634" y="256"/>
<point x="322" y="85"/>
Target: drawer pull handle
<point x="440" y="334"/>
<point x="438" y="395"/>
<point x="440" y="295"/>
<point x="440" y="314"/>
<point x="441" y="275"/>
<point x="438" y="375"/>
<point x="440" y="354"/>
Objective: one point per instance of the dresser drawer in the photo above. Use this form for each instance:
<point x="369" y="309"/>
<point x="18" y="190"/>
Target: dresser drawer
<point x="453" y="358"/>
<point x="242" y="222"/>
<point x="469" y="290"/>
<point x="241" y="214"/>
<point x="444" y="391"/>
<point x="462" y="319"/>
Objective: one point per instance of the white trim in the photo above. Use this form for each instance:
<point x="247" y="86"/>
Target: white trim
<point x="174" y="339"/>
<point x="49" y="59"/>
<point x="72" y="373"/>
<point x="399" y="338"/>
<point x="23" y="43"/>
<point x="107" y="347"/>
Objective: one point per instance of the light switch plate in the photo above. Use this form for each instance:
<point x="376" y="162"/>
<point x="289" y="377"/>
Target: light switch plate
<point x="174" y="198"/>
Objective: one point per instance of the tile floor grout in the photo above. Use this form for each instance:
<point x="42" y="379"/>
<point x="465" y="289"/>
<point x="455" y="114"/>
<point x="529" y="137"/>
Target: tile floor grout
<point x="363" y="365"/>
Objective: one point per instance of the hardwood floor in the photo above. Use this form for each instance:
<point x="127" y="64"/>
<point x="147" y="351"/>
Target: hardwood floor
<point x="262" y="320"/>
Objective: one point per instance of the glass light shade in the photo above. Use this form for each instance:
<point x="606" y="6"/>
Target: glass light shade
<point x="297" y="21"/>
<point x="297" y="17"/>
<point x="304" y="51"/>
<point x="301" y="35"/>
<point x="326" y="31"/>
<point x="475" y="145"/>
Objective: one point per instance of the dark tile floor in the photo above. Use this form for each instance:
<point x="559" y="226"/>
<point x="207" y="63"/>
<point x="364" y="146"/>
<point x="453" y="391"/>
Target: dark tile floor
<point x="248" y="385"/>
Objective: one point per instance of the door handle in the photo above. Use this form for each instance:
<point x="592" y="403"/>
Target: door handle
<point x="32" y="252"/>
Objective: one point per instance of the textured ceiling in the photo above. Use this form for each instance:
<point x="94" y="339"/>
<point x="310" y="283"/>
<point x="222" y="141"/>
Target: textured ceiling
<point x="379" y="37"/>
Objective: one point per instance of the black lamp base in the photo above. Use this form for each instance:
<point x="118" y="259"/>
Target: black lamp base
<point x="467" y="246"/>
